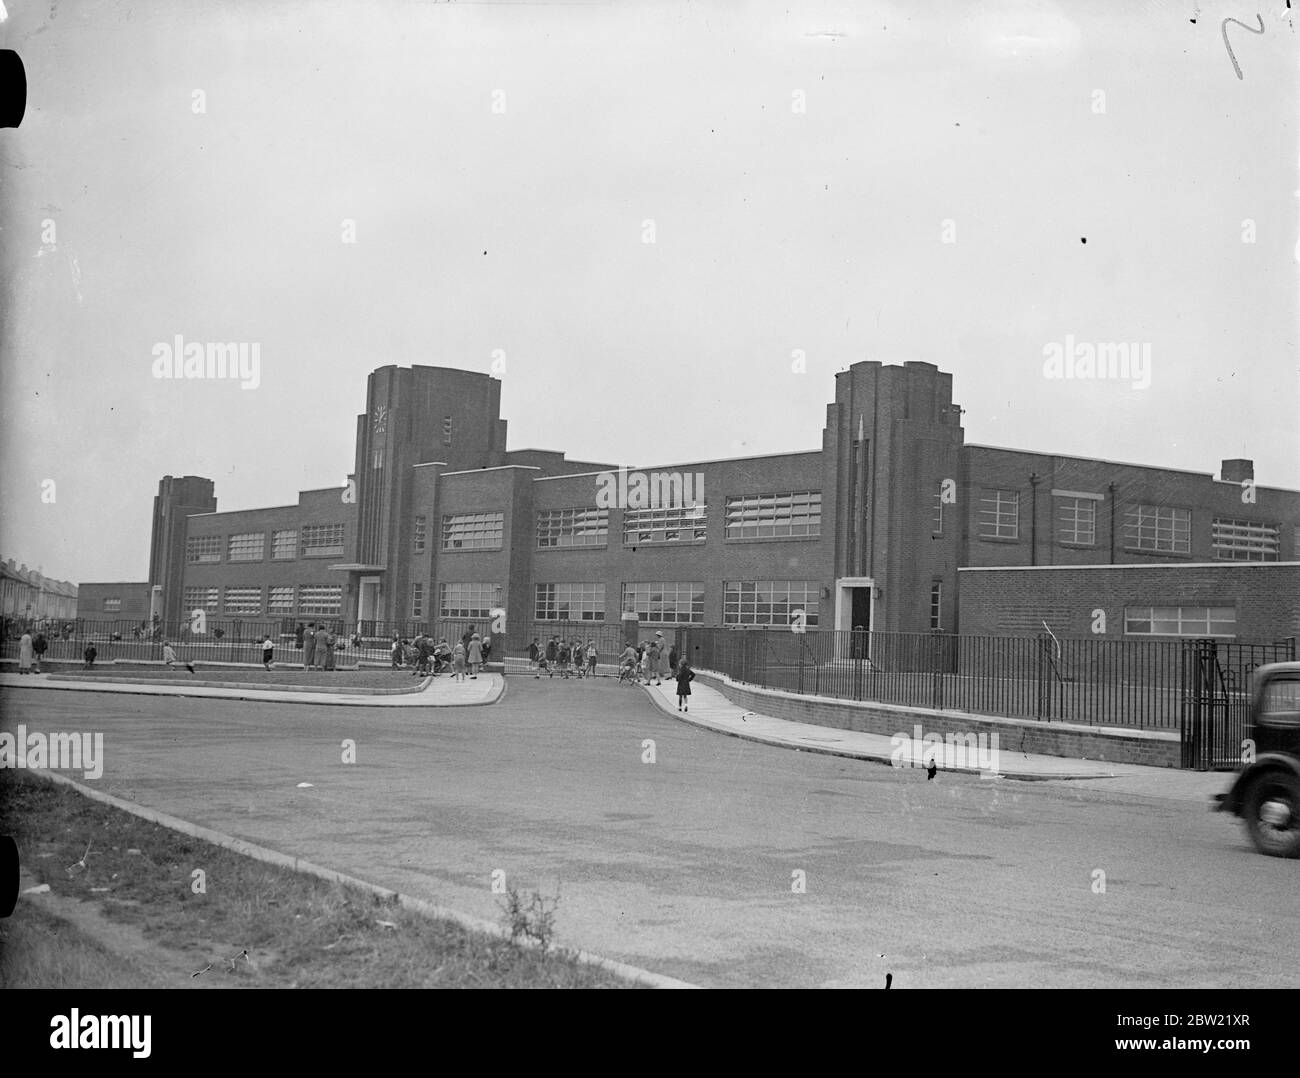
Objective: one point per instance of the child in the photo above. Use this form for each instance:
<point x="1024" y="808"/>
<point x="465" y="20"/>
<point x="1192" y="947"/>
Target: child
<point x="591" y="658"/>
<point x="576" y="652"/>
<point x="474" y="655"/>
<point x="647" y="663"/>
<point x="564" y="660"/>
<point x="458" y="661"/>
<point x="170" y="659"/>
<point x="534" y="657"/>
<point x="685" y="675"/>
<point x="397" y="652"/>
<point x="552" y="656"/>
<point x="627" y="665"/>
<point x="89" y="655"/>
<point x="268" y="649"/>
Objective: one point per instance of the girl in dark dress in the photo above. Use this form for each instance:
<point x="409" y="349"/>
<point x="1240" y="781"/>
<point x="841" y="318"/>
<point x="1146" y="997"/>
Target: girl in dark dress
<point x="685" y="675"/>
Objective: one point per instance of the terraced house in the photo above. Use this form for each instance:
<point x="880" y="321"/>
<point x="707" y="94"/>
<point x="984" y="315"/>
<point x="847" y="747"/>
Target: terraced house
<point x="892" y="523"/>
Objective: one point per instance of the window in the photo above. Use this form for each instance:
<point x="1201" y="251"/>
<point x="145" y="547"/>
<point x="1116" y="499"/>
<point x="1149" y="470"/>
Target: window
<point x="1076" y="520"/>
<point x="112" y="606"/>
<point x="1158" y="527"/>
<point x="280" y="599"/>
<point x="322" y="541"/>
<point x="473" y="531"/>
<point x="243" y="601"/>
<point x="468" y="600"/>
<point x="318" y="599"/>
<point x="417" y="600"/>
<point x="668" y="525"/>
<point x="770" y="602"/>
<point x="201" y="599"/>
<point x="774" y="516"/>
<point x="999" y="514"/>
<point x="284" y="544"/>
<point x="1245" y="540"/>
<point x="250" y="546"/>
<point x="557" y="528"/>
<point x="937" y="527"/>
<point x="936" y="605"/>
<point x="420" y="530"/>
<point x="1180" y="620"/>
<point x="446" y="430"/>
<point x="570" y="602"/>
<point x="201" y="548"/>
<point x="665" y="603"/>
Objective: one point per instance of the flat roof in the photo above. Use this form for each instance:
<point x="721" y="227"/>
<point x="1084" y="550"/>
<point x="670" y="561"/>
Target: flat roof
<point x="1134" y="565"/>
<point x="494" y="468"/>
<point x="674" y="467"/>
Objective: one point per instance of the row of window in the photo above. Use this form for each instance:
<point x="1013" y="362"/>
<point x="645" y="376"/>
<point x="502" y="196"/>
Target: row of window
<point x="281" y="600"/>
<point x="1154" y="528"/>
<point x="317" y="541"/>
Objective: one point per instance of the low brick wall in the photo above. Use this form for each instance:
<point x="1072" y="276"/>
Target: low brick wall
<point x="1154" y="748"/>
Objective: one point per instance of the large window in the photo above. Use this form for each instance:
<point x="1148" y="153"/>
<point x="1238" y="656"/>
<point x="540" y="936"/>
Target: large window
<point x="1180" y="620"/>
<point x="243" y="602"/>
<point x="1076" y="521"/>
<point x="279" y="599"/>
<point x="468" y="600"/>
<point x="666" y="602"/>
<point x="203" y="548"/>
<point x="667" y="525"/>
<point x="770" y="602"/>
<point x="557" y="528"/>
<point x="417" y="600"/>
<point x="421" y="527"/>
<point x="250" y="546"/>
<point x="774" y="516"/>
<point x="1158" y="527"/>
<point x="936" y="605"/>
<point x="320" y="599"/>
<point x="322" y="541"/>
<point x="472" y="531"/>
<point x="999" y="514"/>
<point x="1246" y="540"/>
<point x="112" y="606"/>
<point x="201" y="598"/>
<point x="284" y="544"/>
<point x="570" y="602"/>
<point x="936" y="526"/>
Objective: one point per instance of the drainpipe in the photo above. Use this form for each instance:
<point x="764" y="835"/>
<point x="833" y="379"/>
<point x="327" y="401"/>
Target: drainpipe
<point x="1111" y="489"/>
<point x="1033" y="518"/>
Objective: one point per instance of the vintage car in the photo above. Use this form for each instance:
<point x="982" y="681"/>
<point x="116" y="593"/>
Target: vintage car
<point x="1266" y="794"/>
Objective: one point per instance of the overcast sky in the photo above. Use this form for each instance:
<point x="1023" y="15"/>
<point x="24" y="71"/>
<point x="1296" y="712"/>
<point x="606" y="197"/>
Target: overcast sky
<point x="802" y="164"/>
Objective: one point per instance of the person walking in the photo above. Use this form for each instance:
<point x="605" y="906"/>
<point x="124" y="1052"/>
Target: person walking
<point x="474" y="655"/>
<point x="397" y="652"/>
<point x="534" y="657"/>
<point x="309" y="647"/>
<point x="170" y="659"/>
<point x="685" y="675"/>
<point x="647" y="663"/>
<point x="552" y="655"/>
<point x="89" y="655"/>
<point x="663" y="668"/>
<point x="458" y="661"/>
<point x="576" y="653"/>
<point x="322" y="634"/>
<point x="268" y="651"/>
<point x="39" y="644"/>
<point x="26" y="653"/>
<point x="591" y="658"/>
<point x="298" y="634"/>
<point x="331" y="642"/>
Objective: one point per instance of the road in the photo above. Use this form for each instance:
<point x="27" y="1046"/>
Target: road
<point x="689" y="866"/>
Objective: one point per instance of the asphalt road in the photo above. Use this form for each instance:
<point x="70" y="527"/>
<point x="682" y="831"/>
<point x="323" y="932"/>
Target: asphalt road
<point x="688" y="865"/>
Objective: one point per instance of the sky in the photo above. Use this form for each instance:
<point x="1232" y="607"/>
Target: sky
<point x="664" y="226"/>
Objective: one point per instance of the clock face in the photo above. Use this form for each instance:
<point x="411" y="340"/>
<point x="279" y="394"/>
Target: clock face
<point x="381" y="418"/>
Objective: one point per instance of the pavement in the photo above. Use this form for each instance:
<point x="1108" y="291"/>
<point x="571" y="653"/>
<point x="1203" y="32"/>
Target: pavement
<point x="434" y="692"/>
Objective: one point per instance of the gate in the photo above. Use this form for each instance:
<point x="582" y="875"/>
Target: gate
<point x="1216" y="699"/>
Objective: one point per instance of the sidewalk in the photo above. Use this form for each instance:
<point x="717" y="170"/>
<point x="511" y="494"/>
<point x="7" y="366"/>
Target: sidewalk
<point x="713" y="711"/>
<point x="435" y="692"/>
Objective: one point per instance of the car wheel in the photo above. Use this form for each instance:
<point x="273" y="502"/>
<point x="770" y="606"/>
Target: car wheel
<point x="1272" y="814"/>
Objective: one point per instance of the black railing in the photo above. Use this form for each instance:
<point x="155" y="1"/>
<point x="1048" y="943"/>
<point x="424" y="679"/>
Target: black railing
<point x="1127" y="683"/>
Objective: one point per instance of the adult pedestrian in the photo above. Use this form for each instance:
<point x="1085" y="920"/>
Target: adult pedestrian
<point x="26" y="653"/>
<point x="474" y="655"/>
<point x="662" y="668"/>
<point x="534" y="657"/>
<point x="685" y="675"/>
<point x="331" y="641"/>
<point x="423" y="648"/>
<point x="309" y="647"/>
<point x="39" y="644"/>
<point x="298" y="634"/>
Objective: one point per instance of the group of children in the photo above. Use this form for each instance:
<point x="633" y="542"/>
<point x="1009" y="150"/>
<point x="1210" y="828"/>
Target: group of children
<point x="429" y="658"/>
<point x="563" y="657"/>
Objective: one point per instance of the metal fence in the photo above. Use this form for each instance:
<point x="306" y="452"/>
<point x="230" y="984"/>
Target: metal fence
<point x="1128" y="683"/>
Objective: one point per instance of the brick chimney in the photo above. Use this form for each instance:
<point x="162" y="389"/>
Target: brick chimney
<point x="1237" y="471"/>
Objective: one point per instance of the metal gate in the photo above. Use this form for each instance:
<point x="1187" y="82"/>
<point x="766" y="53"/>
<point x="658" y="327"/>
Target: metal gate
<point x="1216" y="699"/>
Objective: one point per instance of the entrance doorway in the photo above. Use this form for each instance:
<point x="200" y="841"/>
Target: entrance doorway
<point x="368" y="604"/>
<point x="854" y="613"/>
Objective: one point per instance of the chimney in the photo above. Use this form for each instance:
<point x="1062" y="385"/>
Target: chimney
<point x="1237" y="471"/>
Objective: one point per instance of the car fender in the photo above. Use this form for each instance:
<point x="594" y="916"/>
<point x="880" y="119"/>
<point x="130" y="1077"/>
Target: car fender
<point x="1234" y="800"/>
